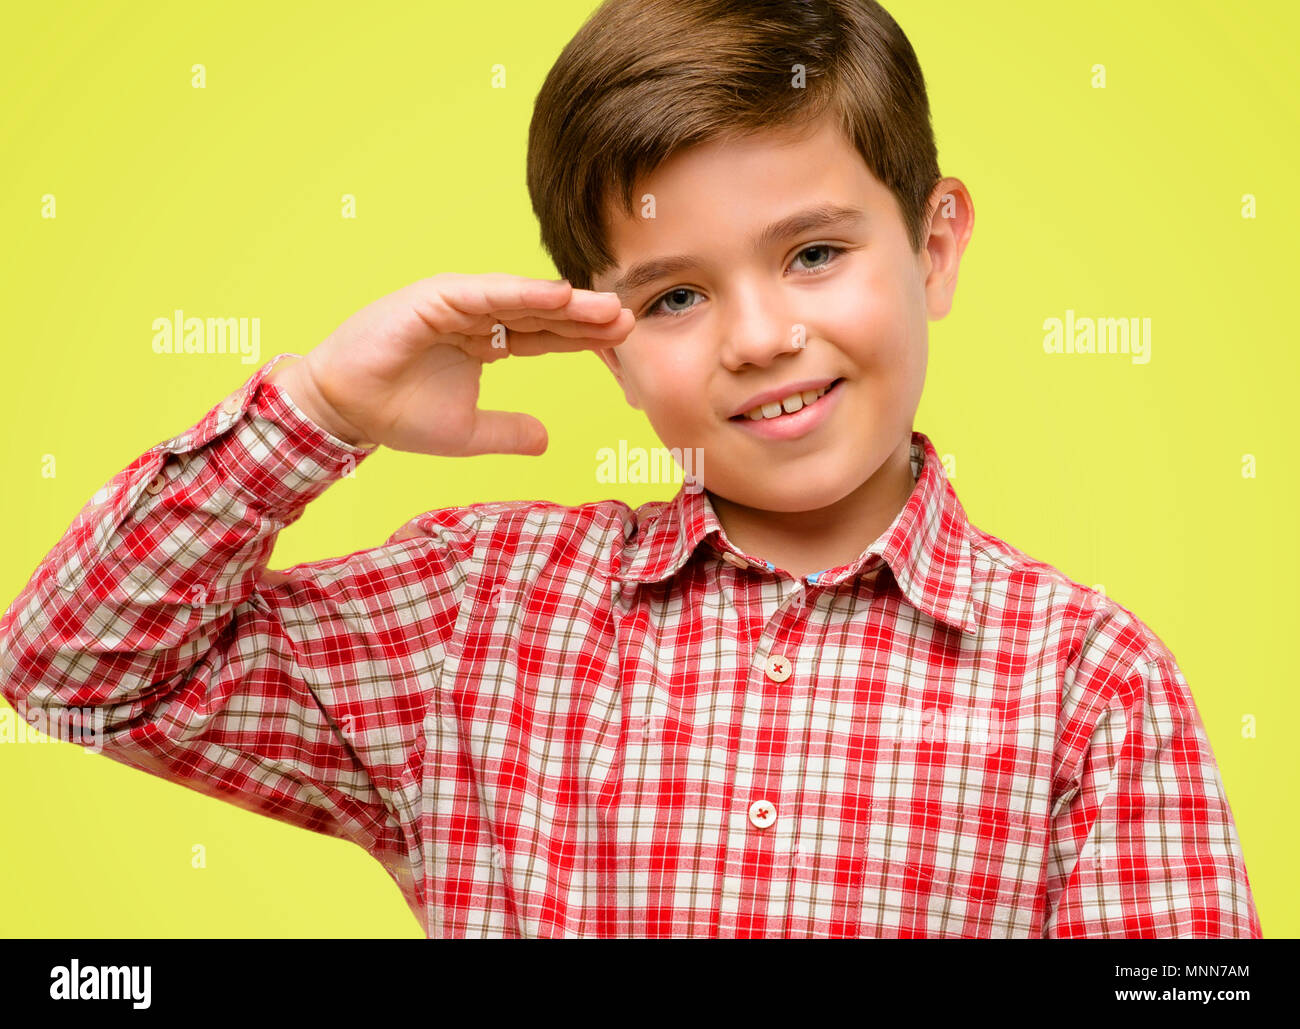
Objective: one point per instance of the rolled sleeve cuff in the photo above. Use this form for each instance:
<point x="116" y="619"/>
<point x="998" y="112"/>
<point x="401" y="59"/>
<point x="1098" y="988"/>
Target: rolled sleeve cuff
<point x="270" y="454"/>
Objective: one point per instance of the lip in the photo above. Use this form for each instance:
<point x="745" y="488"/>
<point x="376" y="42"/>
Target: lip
<point x="771" y="396"/>
<point x="802" y="422"/>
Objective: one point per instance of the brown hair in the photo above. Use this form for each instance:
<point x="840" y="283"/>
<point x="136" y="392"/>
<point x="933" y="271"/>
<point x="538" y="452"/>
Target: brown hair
<point x="644" y="79"/>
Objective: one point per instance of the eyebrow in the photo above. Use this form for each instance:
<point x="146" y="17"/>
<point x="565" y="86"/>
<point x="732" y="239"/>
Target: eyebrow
<point x="819" y="216"/>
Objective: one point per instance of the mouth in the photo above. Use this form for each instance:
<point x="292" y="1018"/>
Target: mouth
<point x="801" y="424"/>
<point x="788" y="408"/>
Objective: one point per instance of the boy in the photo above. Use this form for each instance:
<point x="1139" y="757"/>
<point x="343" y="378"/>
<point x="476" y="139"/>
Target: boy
<point x="812" y="700"/>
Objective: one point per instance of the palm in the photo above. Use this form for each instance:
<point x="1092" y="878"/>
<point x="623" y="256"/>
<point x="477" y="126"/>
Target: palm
<point x="405" y="370"/>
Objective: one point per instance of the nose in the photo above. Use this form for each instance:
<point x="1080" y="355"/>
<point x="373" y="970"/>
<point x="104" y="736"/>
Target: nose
<point x="759" y="328"/>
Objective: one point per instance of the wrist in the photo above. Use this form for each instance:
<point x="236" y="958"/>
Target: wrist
<point x="292" y="377"/>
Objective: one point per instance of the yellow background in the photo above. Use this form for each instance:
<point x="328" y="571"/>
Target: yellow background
<point x="225" y="201"/>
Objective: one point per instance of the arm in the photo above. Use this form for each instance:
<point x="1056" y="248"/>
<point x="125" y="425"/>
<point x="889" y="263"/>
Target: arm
<point x="302" y="696"/>
<point x="1143" y="840"/>
<point x="297" y="696"/>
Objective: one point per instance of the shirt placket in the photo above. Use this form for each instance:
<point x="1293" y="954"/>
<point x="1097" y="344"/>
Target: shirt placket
<point x="765" y="799"/>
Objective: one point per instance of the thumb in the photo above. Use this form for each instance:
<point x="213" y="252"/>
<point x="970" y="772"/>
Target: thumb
<point x="506" y="432"/>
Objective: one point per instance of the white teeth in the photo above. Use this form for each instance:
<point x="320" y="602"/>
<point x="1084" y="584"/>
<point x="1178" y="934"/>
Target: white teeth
<point x="791" y="404"/>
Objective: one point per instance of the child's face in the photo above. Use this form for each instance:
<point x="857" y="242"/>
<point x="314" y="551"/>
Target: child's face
<point x="740" y="318"/>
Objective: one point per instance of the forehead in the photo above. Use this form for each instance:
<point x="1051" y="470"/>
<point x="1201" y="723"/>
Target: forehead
<point x="721" y="196"/>
<point x="705" y="169"/>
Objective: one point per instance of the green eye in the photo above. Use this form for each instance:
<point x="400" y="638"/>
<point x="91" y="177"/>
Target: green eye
<point x="819" y="246"/>
<point x="653" y="311"/>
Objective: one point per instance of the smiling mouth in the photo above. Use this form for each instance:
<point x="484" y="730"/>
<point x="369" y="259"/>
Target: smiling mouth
<point x="778" y="412"/>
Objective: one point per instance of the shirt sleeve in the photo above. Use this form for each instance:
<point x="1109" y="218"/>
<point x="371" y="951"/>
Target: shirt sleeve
<point x="1143" y="840"/>
<point x="154" y="625"/>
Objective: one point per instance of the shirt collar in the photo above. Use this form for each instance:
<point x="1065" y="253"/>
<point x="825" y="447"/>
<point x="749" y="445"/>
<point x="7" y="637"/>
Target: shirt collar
<point x="927" y="546"/>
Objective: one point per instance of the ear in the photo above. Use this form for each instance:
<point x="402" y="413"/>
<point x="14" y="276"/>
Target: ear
<point x="952" y="219"/>
<point x="612" y="361"/>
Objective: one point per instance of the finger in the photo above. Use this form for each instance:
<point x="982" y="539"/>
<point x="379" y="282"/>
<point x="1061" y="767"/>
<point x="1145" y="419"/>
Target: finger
<point x="619" y="328"/>
<point x="531" y="344"/>
<point x="506" y="432"/>
<point x="497" y="292"/>
<point x="584" y="306"/>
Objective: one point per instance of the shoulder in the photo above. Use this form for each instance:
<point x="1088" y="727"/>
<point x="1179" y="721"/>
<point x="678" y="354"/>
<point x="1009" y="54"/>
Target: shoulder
<point x="1101" y="637"/>
<point x="595" y="531"/>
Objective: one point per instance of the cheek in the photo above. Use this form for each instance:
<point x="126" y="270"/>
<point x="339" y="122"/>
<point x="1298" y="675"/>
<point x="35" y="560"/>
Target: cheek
<point x="869" y="324"/>
<point x="671" y="380"/>
<point x="879" y="313"/>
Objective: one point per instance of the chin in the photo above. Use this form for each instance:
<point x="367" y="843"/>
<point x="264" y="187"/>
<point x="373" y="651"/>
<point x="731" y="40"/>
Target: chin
<point x="795" y="499"/>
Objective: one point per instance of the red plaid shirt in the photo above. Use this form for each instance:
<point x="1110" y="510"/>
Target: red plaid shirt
<point x="597" y="721"/>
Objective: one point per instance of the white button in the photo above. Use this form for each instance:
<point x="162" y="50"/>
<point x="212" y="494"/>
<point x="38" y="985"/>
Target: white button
<point x="732" y="559"/>
<point x="779" y="668"/>
<point x="762" y="813"/>
<point x="157" y="485"/>
<point x="233" y="403"/>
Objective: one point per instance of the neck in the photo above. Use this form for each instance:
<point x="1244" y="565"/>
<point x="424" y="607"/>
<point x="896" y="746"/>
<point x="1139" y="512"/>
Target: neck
<point x="802" y="542"/>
